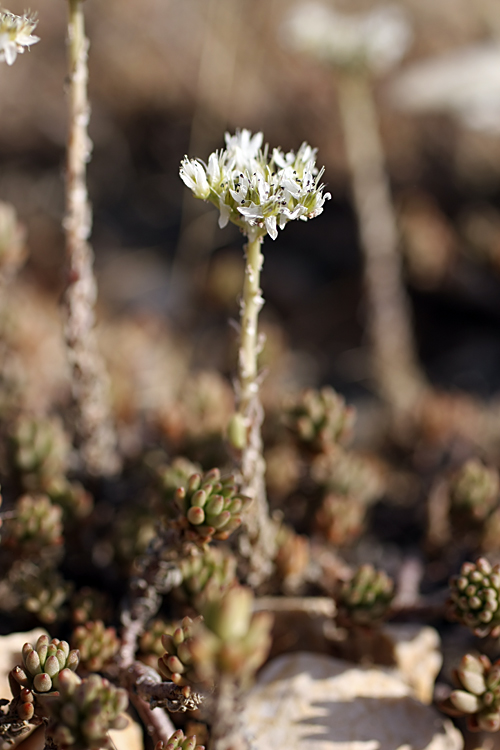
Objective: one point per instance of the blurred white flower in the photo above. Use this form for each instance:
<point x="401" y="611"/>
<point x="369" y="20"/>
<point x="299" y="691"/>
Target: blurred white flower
<point x="15" y="35"/>
<point x="465" y="84"/>
<point x="376" y="40"/>
<point x="256" y="192"/>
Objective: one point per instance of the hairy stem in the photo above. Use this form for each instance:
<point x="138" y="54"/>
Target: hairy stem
<point x="396" y="368"/>
<point x="251" y="413"/>
<point x="90" y="390"/>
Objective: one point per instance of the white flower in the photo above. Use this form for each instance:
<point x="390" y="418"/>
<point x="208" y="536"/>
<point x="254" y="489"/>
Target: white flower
<point x="256" y="192"/>
<point x="15" y="35"/>
<point x="243" y="147"/>
<point x="194" y="176"/>
<point x="376" y="40"/>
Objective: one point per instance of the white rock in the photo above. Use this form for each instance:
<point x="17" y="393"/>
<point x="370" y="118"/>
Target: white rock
<point x="130" y="738"/>
<point x="417" y="655"/>
<point x="306" y="701"/>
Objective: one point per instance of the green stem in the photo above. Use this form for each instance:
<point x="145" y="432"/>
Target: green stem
<point x="93" y="424"/>
<point x="250" y="414"/>
<point x="251" y="305"/>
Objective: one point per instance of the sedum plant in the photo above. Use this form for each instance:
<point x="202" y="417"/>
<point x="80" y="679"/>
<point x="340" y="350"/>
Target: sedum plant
<point x="96" y="645"/>
<point x="474" y="491"/>
<point x="42" y="665"/>
<point x="259" y="191"/>
<point x="210" y="506"/>
<point x="320" y="419"/>
<point x="84" y="711"/>
<point x="475" y="597"/>
<point x="478" y="693"/>
<point x="179" y="741"/>
<point x="365" y="599"/>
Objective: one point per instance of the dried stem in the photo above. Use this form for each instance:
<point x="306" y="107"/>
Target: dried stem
<point x="157" y="573"/>
<point x="90" y="390"/>
<point x="259" y="525"/>
<point x="156" y="721"/>
<point x="395" y="362"/>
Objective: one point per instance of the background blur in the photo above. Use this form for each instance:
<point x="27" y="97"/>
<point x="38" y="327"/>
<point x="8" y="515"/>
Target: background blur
<point x="167" y="78"/>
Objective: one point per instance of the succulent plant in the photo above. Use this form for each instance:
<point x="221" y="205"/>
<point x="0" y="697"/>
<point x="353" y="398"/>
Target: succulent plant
<point x="227" y="640"/>
<point x="42" y="590"/>
<point x="231" y="641"/>
<point x="209" y="507"/>
<point x="348" y="473"/>
<point x="474" y="490"/>
<point x="475" y="597"/>
<point x="340" y="518"/>
<point x="213" y="568"/>
<point x="320" y="418"/>
<point x="176" y="475"/>
<point x="97" y="645"/>
<point x="42" y="665"/>
<point x="478" y="693"/>
<point x="36" y="524"/>
<point x="179" y="741"/>
<point x="176" y="664"/>
<point x="84" y="711"/>
<point x="150" y="644"/>
<point x="365" y="599"/>
<point x="40" y="451"/>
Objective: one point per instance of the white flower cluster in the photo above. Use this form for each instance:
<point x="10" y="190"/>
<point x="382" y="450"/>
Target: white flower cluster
<point x="376" y="40"/>
<point x="257" y="192"/>
<point x="15" y="35"/>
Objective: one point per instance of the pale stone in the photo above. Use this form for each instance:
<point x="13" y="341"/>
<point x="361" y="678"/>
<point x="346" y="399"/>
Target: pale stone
<point x="306" y="701"/>
<point x="417" y="655"/>
<point x="130" y="738"/>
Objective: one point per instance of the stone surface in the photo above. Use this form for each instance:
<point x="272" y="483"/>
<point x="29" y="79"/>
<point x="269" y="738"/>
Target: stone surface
<point x="417" y="656"/>
<point x="305" y="701"/>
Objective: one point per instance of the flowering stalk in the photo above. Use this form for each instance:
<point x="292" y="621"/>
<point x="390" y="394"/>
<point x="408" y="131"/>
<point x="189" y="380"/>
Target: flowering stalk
<point x="359" y="46"/>
<point x="94" y="428"/>
<point x="395" y="361"/>
<point x="249" y="409"/>
<point x="260" y="193"/>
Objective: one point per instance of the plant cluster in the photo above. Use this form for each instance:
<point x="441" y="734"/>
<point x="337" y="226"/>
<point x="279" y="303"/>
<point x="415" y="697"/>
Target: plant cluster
<point x="148" y="532"/>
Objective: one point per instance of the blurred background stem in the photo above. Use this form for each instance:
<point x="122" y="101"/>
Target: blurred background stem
<point x="90" y="390"/>
<point x="395" y="363"/>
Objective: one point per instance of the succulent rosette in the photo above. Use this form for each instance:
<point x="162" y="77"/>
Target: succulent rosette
<point x="366" y="598"/>
<point x="478" y="693"/>
<point x="475" y="597"/>
<point x="210" y="506"/>
<point x="42" y="665"/>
